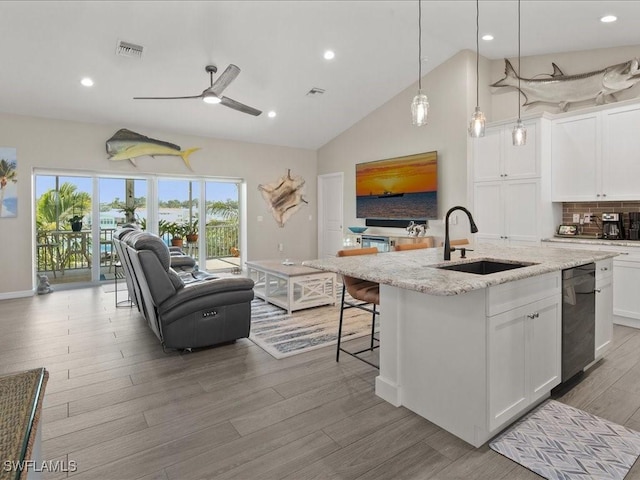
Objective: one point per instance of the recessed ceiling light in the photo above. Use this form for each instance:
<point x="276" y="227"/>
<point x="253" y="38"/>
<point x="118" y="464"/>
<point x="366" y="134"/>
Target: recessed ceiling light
<point x="329" y="54"/>
<point x="608" y="19"/>
<point x="271" y="114"/>
<point x="87" y="82"/>
<point x="488" y="37"/>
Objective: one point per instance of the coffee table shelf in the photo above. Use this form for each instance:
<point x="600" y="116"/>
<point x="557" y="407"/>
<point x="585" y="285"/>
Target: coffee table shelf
<point x="292" y="287"/>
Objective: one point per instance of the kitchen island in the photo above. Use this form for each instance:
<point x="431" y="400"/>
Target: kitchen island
<point x="471" y="353"/>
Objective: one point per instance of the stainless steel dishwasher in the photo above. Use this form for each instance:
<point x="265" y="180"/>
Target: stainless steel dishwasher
<point x="578" y="319"/>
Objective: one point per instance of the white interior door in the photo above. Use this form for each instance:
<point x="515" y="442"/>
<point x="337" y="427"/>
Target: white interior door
<point x="330" y="214"/>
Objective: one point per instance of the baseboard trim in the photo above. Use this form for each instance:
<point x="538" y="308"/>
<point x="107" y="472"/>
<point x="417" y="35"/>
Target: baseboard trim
<point x="22" y="294"/>
<point x="626" y="321"/>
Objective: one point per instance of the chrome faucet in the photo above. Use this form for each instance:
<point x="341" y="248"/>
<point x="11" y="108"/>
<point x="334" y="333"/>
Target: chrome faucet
<point x="447" y="246"/>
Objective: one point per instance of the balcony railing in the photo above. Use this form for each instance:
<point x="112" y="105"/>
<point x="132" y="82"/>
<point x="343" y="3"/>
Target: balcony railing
<point x="62" y="250"/>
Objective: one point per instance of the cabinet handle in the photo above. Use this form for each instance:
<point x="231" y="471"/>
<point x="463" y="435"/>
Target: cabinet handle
<point x="604" y="194"/>
<point x="597" y="290"/>
<point x="597" y="194"/>
<point x="604" y="269"/>
<point x="533" y="315"/>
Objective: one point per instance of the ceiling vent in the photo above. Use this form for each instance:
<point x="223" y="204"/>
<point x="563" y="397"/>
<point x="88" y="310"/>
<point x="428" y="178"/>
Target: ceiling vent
<point x="126" y="49"/>
<point x="315" y="91"/>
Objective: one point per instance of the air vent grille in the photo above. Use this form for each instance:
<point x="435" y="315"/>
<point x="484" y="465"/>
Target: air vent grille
<point x="126" y="49"/>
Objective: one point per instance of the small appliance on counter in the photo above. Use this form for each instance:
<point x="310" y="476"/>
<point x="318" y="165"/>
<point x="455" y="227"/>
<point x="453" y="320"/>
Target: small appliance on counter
<point x="567" y="230"/>
<point x="634" y="226"/>
<point x="612" y="226"/>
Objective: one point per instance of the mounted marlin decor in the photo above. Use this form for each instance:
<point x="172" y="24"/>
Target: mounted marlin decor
<point x="562" y="90"/>
<point x="127" y="145"/>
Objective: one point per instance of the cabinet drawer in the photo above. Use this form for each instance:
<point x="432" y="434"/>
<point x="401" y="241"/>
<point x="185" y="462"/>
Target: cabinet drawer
<point x="504" y="297"/>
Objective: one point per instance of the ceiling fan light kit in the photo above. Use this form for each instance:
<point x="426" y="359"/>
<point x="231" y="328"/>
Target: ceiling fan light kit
<point x="212" y="94"/>
<point x="420" y="104"/>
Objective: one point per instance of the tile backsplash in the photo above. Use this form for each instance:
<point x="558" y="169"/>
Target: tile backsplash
<point x="597" y="208"/>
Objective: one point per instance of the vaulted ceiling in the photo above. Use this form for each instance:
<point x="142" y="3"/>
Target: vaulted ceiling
<point x="47" y="47"/>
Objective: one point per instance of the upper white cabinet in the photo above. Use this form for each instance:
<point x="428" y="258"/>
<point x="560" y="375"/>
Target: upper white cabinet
<point x="495" y="157"/>
<point x="621" y="153"/>
<point x="596" y="156"/>
<point x="510" y="186"/>
<point x="576" y="159"/>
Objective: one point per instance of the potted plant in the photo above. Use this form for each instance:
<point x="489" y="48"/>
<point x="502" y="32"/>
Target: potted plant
<point x="191" y="231"/>
<point x="176" y="230"/>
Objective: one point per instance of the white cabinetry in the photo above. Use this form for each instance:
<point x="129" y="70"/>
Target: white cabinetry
<point x="604" y="307"/>
<point x="626" y="278"/>
<point x="621" y="153"/>
<point x="524" y="346"/>
<point x="497" y="159"/>
<point x="509" y="203"/>
<point x="576" y="158"/>
<point x="596" y="156"/>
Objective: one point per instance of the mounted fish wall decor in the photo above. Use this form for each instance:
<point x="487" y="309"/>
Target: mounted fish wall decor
<point x="127" y="145"/>
<point x="284" y="196"/>
<point x="562" y="90"/>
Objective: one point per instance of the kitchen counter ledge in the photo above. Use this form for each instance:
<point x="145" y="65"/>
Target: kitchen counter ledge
<point x="414" y="269"/>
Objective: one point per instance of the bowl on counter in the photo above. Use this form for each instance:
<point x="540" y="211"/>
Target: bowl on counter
<point x="358" y="229"/>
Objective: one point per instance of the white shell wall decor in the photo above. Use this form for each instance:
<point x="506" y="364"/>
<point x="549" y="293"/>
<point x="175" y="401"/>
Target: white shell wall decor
<point x="284" y="196"/>
<point x="562" y="90"/>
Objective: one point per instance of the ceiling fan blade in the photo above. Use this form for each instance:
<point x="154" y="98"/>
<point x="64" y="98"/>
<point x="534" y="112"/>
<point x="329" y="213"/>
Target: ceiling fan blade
<point x="228" y="102"/>
<point x="223" y="81"/>
<point x="166" y="98"/>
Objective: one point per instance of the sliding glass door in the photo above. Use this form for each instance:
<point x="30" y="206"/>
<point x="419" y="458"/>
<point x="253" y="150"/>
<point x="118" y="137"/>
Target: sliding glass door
<point x="73" y="230"/>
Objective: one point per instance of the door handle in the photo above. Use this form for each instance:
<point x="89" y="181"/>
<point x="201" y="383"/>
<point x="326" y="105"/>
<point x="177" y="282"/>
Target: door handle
<point x="597" y="290"/>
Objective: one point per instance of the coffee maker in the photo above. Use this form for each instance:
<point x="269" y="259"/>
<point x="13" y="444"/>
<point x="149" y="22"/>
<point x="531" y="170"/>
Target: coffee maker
<point x="634" y="225"/>
<point x="612" y="226"/>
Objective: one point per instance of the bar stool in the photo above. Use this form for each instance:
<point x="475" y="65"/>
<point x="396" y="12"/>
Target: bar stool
<point x="428" y="243"/>
<point x="367" y="297"/>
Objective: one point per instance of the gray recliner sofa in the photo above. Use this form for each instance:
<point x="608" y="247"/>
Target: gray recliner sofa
<point x="202" y="313"/>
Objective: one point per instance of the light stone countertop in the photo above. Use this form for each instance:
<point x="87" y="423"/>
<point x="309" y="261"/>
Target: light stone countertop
<point x="413" y="269"/>
<point x="594" y="241"/>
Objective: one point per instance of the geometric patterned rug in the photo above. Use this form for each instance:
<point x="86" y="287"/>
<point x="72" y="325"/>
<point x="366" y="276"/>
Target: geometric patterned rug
<point x="281" y="334"/>
<point x="560" y="442"/>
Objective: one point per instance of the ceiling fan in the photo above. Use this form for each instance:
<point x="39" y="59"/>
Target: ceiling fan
<point x="212" y="94"/>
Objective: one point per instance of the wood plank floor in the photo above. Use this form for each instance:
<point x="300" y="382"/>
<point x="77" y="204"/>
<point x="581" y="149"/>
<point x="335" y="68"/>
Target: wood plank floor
<point x="121" y="408"/>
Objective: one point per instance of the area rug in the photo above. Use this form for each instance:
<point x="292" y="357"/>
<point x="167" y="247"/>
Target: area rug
<point x="560" y="442"/>
<point x="281" y="334"/>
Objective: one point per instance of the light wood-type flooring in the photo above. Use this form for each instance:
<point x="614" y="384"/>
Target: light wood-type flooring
<point x="120" y="408"/>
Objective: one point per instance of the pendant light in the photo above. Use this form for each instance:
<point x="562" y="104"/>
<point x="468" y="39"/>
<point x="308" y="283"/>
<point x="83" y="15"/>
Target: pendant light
<point x="420" y="105"/>
<point x="519" y="132"/>
<point x="476" y="126"/>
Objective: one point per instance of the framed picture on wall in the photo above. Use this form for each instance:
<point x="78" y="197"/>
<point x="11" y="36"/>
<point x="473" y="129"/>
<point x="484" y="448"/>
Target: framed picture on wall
<point x="8" y="183"/>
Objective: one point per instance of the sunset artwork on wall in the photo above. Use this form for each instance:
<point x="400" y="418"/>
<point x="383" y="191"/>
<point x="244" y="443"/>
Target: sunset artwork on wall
<point x="398" y="188"/>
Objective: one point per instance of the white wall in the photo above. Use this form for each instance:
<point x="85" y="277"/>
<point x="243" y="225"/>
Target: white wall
<point x="387" y="132"/>
<point x="53" y="144"/>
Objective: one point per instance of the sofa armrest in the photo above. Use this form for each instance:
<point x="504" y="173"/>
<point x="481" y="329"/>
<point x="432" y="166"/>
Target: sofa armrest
<point x="208" y="288"/>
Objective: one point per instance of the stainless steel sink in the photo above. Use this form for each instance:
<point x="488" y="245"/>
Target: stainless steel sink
<point x="484" y="267"/>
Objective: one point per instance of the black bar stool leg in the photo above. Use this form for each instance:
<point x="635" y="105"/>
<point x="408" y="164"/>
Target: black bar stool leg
<point x="373" y="324"/>
<point x="340" y="324"/>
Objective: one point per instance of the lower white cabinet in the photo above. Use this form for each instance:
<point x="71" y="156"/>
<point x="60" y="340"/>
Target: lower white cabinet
<point x="604" y="307"/>
<point x="524" y="347"/>
<point x="626" y="278"/>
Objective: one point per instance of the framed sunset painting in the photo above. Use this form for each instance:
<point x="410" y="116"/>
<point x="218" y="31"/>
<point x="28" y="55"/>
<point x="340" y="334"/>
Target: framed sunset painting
<point x="398" y="188"/>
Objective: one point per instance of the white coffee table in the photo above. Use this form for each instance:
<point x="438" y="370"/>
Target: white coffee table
<point x="292" y="287"/>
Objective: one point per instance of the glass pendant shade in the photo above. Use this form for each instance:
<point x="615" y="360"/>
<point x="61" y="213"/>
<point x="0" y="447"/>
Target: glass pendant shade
<point x="519" y="134"/>
<point x="419" y="109"/>
<point x="476" y="126"/>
